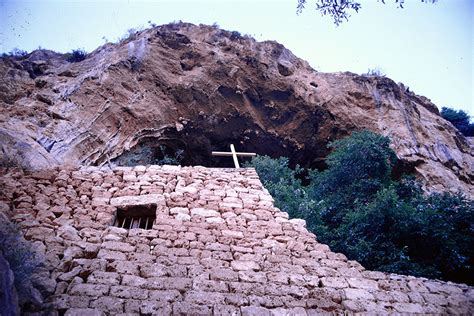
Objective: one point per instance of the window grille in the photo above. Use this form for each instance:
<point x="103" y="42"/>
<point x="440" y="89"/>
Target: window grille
<point x="135" y="216"/>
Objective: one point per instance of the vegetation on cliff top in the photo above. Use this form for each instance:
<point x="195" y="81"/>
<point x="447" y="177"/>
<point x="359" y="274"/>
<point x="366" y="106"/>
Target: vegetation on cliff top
<point x="357" y="208"/>
<point x="460" y="120"/>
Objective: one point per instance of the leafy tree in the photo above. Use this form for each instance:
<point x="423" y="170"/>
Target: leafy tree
<point x="460" y="120"/>
<point x="339" y="9"/>
<point x="359" y="167"/>
<point x="358" y="209"/>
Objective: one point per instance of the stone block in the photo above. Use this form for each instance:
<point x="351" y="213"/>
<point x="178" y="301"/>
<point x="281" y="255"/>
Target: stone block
<point x="184" y="308"/>
<point x="128" y="292"/>
<point x="335" y="282"/>
<point x="224" y="274"/>
<point x="101" y="277"/>
<point x="153" y="270"/>
<point x="410" y="308"/>
<point x="126" y="267"/>
<point x="226" y="310"/>
<point x="232" y="233"/>
<point x="353" y="306"/>
<point x="183" y="217"/>
<point x="137" y="200"/>
<point x="133" y="280"/>
<point x="255" y="310"/>
<point x="165" y="295"/>
<point x="240" y="265"/>
<point x="252" y="276"/>
<point x="110" y="304"/>
<point x="83" y="312"/>
<point x="111" y="255"/>
<point x="164" y="283"/>
<point x="96" y="290"/>
<point x="363" y="283"/>
<point x="204" y="298"/>
<point x="210" y="285"/>
<point x="204" y="212"/>
<point x="436" y="299"/>
<point x="357" y="294"/>
<point x="118" y="246"/>
<point x="399" y="296"/>
<point x="215" y="220"/>
<point x="158" y="307"/>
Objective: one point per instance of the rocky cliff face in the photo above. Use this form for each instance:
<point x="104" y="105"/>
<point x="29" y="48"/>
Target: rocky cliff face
<point x="199" y="88"/>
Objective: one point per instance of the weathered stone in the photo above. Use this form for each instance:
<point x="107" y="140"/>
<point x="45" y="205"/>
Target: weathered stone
<point x="100" y="277"/>
<point x="109" y="304"/>
<point x="252" y="276"/>
<point x="204" y="212"/>
<point x="166" y="295"/>
<point x="239" y="265"/>
<point x="362" y="283"/>
<point x="83" y="312"/>
<point x="408" y="308"/>
<point x="254" y="310"/>
<point x="357" y="294"/>
<point x="137" y="200"/>
<point x="128" y="292"/>
<point x="184" y="308"/>
<point x="96" y="290"/>
<point x="335" y="282"/>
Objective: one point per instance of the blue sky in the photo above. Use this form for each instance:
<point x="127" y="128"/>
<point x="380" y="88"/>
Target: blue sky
<point x="428" y="47"/>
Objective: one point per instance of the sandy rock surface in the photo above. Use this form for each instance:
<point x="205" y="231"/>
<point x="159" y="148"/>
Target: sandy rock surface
<point x="198" y="89"/>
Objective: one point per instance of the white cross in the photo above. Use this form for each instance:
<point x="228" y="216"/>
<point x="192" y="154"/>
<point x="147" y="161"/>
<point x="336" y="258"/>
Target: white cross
<point x="234" y="154"/>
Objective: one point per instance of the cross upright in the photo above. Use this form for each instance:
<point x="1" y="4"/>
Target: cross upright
<point x="234" y="154"/>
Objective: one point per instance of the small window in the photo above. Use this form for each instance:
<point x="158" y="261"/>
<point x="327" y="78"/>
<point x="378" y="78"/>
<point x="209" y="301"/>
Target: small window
<point x="135" y="216"/>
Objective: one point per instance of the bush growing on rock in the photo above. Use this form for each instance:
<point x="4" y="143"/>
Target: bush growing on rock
<point x="23" y="261"/>
<point x="460" y="120"/>
<point x="357" y="208"/>
<point x="76" y="55"/>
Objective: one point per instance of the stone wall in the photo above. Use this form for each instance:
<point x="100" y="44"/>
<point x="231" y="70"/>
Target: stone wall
<point x="218" y="246"/>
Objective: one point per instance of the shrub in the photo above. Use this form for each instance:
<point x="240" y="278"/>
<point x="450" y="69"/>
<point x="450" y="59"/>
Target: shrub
<point x="76" y="55"/>
<point x="15" y="53"/>
<point x="23" y="260"/>
<point x="377" y="72"/>
<point x="460" y="120"/>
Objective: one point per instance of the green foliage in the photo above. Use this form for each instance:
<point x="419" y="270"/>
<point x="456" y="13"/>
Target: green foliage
<point x="283" y="184"/>
<point x="460" y="120"/>
<point x="359" y="167"/>
<point x="339" y="10"/>
<point x="76" y="55"/>
<point x="23" y="260"/>
<point x="355" y="207"/>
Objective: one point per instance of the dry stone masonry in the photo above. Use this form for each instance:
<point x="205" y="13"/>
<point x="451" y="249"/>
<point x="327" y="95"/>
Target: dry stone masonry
<point x="217" y="246"/>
